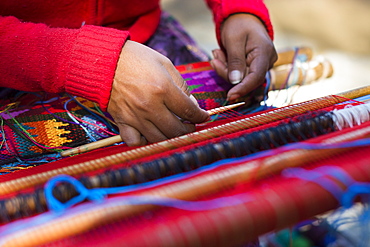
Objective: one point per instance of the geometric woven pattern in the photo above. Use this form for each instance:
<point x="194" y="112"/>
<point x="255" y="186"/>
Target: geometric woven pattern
<point x="34" y="129"/>
<point x="210" y="90"/>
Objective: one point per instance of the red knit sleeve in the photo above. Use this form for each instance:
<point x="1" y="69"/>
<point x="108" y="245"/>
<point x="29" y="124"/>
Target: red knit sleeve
<point x="82" y="62"/>
<point x="224" y="8"/>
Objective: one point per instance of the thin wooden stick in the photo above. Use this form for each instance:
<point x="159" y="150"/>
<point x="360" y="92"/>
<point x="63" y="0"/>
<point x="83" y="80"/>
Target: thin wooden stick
<point x="115" y="139"/>
<point x="286" y="56"/>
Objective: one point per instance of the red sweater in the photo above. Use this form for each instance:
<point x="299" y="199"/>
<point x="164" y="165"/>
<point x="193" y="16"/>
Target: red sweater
<point x="73" y="45"/>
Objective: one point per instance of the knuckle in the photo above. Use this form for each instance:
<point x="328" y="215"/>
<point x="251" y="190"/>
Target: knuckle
<point x="194" y="115"/>
<point x="157" y="88"/>
<point x="236" y="61"/>
<point x="143" y="106"/>
<point x="184" y="130"/>
<point x="132" y="142"/>
<point x="185" y="87"/>
<point x="273" y="54"/>
<point x="189" y="113"/>
<point x="165" y="60"/>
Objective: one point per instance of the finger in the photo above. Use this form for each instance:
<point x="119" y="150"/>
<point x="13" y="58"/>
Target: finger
<point x="194" y="100"/>
<point x="181" y="83"/>
<point x="162" y="125"/>
<point x="183" y="106"/>
<point x="219" y="63"/>
<point x="220" y="55"/>
<point x="256" y="76"/>
<point x="236" y="61"/>
<point x="131" y="136"/>
<point x="176" y="77"/>
<point x="220" y="68"/>
<point x="171" y="126"/>
<point x="155" y="129"/>
<point x="179" y="100"/>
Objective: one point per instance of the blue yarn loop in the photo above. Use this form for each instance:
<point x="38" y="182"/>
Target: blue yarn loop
<point x="84" y="193"/>
<point x="98" y="194"/>
<point x="318" y="176"/>
<point x="357" y="189"/>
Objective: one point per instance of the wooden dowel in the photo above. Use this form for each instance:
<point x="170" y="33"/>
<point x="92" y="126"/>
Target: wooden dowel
<point x="287" y="56"/>
<point x="300" y="75"/>
<point x="115" y="139"/>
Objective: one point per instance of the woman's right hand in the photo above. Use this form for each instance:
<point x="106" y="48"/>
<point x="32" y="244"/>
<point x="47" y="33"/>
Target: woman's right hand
<point x="149" y="97"/>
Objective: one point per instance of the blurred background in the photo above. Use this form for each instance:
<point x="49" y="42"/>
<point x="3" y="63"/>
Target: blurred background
<point x="339" y="30"/>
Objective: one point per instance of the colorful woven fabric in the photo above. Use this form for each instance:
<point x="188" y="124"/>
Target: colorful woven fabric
<point x="210" y="90"/>
<point x="35" y="129"/>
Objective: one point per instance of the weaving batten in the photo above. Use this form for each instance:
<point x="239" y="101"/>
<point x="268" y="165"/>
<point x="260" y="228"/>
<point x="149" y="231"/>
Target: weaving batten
<point x="257" y="120"/>
<point x="191" y="188"/>
<point x="178" y="162"/>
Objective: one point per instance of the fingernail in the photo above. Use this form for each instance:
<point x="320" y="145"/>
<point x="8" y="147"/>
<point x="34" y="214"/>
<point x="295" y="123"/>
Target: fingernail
<point x="194" y="99"/>
<point x="235" y="77"/>
<point x="233" y="97"/>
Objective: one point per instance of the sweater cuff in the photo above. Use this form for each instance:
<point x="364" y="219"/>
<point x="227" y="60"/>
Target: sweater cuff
<point x="93" y="63"/>
<point x="253" y="7"/>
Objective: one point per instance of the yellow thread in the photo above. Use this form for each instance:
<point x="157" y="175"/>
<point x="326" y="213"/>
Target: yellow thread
<point x="9" y="106"/>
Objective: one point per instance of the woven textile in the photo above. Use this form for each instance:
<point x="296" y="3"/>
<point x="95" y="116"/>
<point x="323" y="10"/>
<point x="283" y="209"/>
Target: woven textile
<point x="37" y="127"/>
<point x="210" y="90"/>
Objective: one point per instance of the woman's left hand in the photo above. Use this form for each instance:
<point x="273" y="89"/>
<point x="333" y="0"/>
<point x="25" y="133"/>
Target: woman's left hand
<point x="250" y="53"/>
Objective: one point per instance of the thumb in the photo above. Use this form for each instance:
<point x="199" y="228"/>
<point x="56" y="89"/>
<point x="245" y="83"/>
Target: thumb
<point x="236" y="63"/>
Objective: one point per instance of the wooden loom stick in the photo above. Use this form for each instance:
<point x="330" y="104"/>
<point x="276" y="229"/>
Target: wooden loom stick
<point x="189" y="189"/>
<point x="287" y="56"/>
<point x="155" y="148"/>
<point x="310" y="72"/>
<point x="117" y="138"/>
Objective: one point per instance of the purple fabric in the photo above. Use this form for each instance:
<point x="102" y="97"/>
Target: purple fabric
<point x="172" y="41"/>
<point x="206" y="81"/>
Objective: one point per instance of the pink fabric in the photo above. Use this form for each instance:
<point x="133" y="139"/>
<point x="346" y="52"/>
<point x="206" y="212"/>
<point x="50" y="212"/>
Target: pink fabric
<point x="44" y="48"/>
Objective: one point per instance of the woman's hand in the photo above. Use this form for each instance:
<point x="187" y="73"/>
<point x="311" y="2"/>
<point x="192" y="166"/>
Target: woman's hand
<point x="149" y="96"/>
<point x="250" y="54"/>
